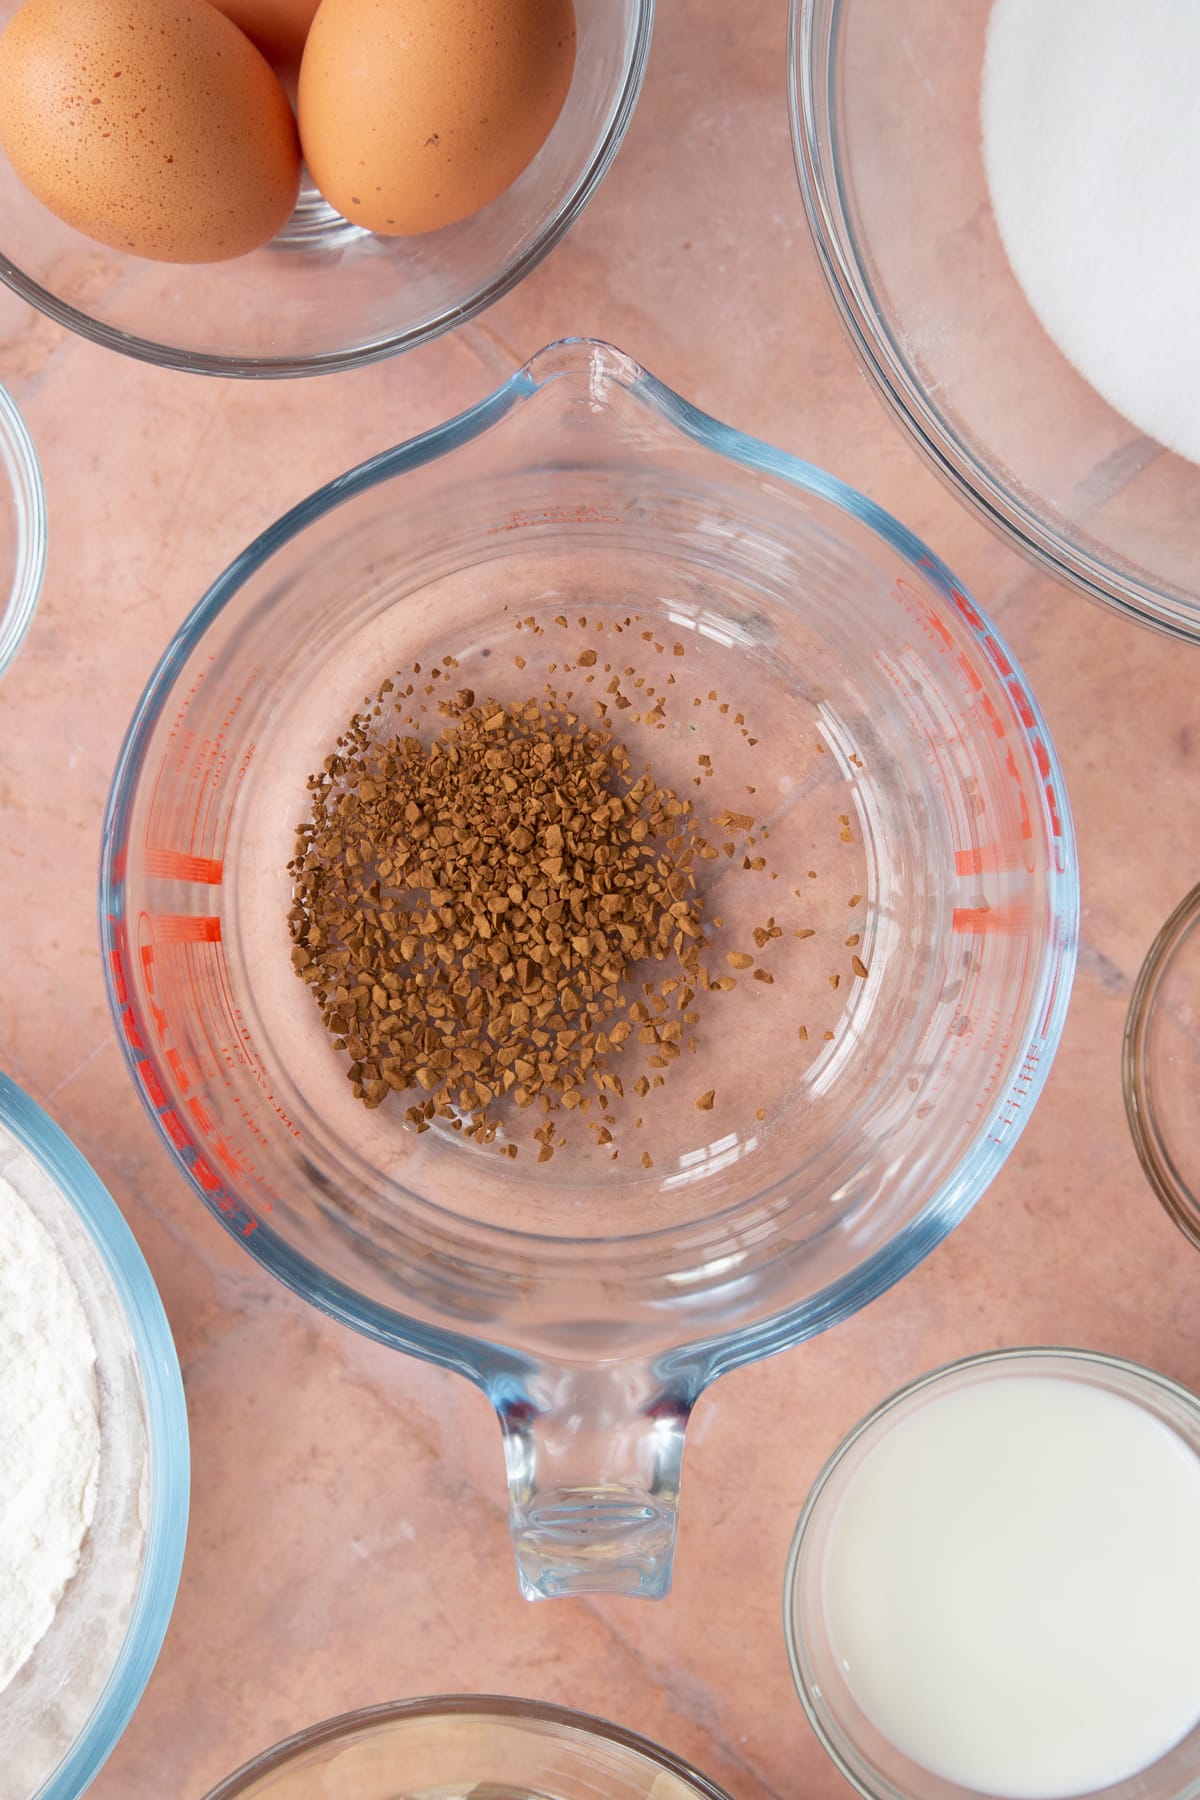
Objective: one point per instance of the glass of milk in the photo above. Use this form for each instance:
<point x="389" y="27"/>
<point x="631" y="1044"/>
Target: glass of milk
<point x="994" y="1585"/>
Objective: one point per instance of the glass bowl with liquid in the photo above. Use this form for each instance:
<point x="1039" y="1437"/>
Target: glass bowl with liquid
<point x="994" y="1585"/>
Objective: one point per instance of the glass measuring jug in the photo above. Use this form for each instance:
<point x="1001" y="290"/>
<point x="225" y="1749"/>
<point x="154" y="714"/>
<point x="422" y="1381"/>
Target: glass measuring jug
<point x="907" y="811"/>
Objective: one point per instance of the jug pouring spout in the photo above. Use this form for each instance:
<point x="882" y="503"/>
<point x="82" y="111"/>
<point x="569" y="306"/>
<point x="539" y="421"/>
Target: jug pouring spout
<point x="593" y="1458"/>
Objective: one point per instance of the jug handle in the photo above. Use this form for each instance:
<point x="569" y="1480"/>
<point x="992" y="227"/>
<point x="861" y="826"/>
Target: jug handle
<point x="593" y="1457"/>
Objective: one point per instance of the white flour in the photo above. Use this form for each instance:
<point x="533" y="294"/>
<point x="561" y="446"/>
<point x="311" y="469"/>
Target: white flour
<point x="1091" y="140"/>
<point x="49" y="1430"/>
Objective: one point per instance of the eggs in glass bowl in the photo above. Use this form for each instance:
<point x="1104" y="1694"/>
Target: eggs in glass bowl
<point x="292" y="215"/>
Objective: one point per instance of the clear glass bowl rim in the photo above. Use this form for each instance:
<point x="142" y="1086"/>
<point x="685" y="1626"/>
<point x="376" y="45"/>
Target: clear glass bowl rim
<point x="812" y="1702"/>
<point x="976" y="1168"/>
<point x="167" y="1427"/>
<point x="29" y="504"/>
<point x="1149" y="1139"/>
<point x="843" y="269"/>
<point x="249" y="367"/>
<point x="330" y="1731"/>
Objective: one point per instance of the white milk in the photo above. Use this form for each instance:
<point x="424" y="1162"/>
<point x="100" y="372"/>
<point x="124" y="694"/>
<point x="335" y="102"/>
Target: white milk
<point x="1012" y="1586"/>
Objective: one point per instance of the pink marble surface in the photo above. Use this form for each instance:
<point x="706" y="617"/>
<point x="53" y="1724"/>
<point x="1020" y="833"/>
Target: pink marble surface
<point x="348" y="1540"/>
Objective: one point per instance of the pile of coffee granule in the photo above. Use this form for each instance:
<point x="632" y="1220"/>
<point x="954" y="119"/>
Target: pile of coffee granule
<point x="467" y="911"/>
<point x="496" y="912"/>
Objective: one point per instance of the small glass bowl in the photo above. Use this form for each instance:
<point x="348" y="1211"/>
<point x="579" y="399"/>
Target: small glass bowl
<point x="22" y="530"/>
<point x="1160" y="1066"/>
<point x="869" y="1760"/>
<point x="457" y="1746"/>
<point x="885" y="127"/>
<point x="324" y="294"/>
<point x="64" y="1711"/>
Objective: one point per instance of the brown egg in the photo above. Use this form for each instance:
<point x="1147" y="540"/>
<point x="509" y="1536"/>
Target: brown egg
<point x="151" y="125"/>
<point x="277" y="27"/>
<point x="415" y="113"/>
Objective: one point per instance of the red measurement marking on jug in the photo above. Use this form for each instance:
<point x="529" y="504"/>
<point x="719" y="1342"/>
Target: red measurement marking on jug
<point x="1023" y="706"/>
<point x="240" y="1218"/>
<point x="187" y="928"/>
<point x="980" y="707"/>
<point x="584" y="513"/>
<point x="987" y="859"/>
<point x="174" y="754"/>
<point x="180" y="865"/>
<point x="991" y="921"/>
<point x="201" y="762"/>
<point x="196" y="974"/>
<point x="1021" y="1089"/>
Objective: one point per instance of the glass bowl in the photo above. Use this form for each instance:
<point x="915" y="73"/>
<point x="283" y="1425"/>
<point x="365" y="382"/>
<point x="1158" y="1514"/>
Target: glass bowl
<point x="835" y="678"/>
<point x="456" y="1746"/>
<point x="65" y="1709"/>
<point x="1160" y="1066"/>
<point x="326" y="295"/>
<point x="885" y="125"/>
<point x="869" y="1759"/>
<point x="22" y="530"/>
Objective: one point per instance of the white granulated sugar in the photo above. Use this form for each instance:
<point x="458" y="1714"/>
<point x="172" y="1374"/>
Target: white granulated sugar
<point x="49" y="1430"/>
<point x="1091" y="140"/>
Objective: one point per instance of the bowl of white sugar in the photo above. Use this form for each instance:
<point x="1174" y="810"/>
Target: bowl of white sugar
<point x="93" y="1463"/>
<point x="1002" y="197"/>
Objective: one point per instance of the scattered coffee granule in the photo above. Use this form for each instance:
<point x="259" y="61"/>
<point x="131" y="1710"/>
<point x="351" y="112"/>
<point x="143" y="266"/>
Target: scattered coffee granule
<point x="859" y="967"/>
<point x="470" y="908"/>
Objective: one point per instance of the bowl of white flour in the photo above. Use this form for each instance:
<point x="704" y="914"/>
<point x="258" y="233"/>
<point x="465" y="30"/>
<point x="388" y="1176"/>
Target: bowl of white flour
<point x="1002" y="196"/>
<point x="93" y="1463"/>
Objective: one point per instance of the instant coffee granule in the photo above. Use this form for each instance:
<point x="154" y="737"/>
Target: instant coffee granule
<point x="467" y="912"/>
<point x="503" y="912"/>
